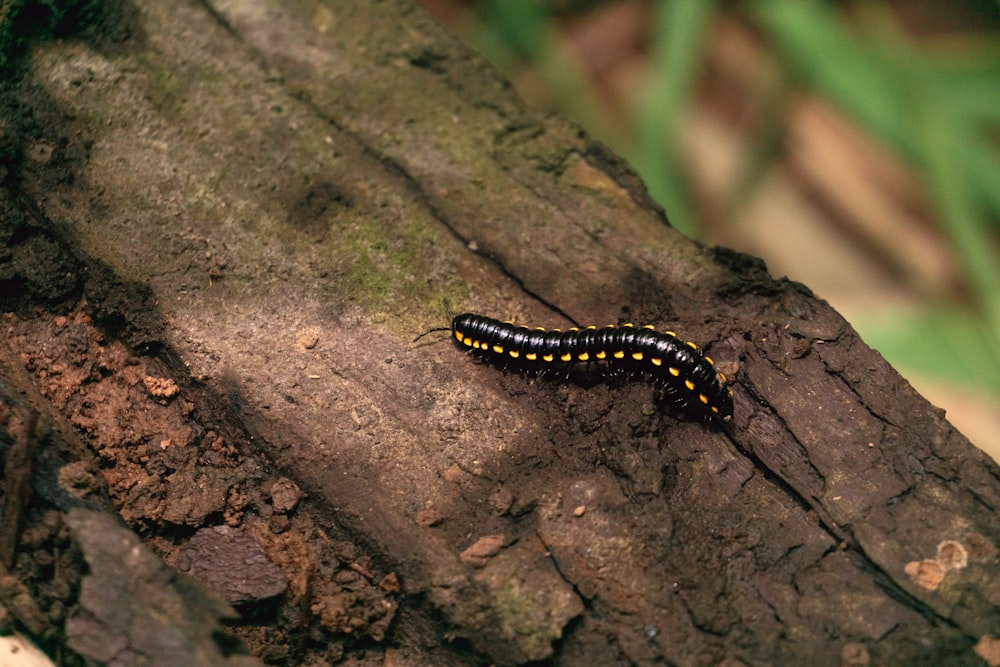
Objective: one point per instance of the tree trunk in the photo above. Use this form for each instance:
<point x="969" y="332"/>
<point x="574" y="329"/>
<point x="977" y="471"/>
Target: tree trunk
<point x="226" y="223"/>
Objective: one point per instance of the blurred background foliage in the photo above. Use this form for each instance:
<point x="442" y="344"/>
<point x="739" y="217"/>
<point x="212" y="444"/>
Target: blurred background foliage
<point x="852" y="145"/>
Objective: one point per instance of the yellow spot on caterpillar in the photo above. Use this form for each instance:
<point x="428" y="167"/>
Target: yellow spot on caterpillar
<point x="498" y="349"/>
<point x="566" y="357"/>
<point x="573" y="329"/>
<point x="673" y="371"/>
<point x="601" y="355"/>
<point x="689" y="385"/>
<point x="539" y="328"/>
<point x="583" y="356"/>
<point x="709" y="360"/>
<point x="531" y="356"/>
<point x="722" y="377"/>
<point x="670" y="333"/>
<point x="649" y="326"/>
<point x="514" y="354"/>
<point x="467" y="340"/>
<point x="620" y="354"/>
<point x="657" y="362"/>
<point x="548" y="358"/>
<point x="591" y="328"/>
<point x="458" y="335"/>
<point x="691" y="345"/>
<point x="637" y="356"/>
<point x="715" y="409"/>
<point x="628" y="324"/>
<point x="703" y="398"/>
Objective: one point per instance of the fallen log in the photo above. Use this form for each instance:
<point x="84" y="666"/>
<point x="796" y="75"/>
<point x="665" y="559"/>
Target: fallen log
<point x="267" y="201"/>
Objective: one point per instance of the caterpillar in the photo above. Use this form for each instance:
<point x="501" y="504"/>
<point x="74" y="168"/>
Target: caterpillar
<point x="688" y="377"/>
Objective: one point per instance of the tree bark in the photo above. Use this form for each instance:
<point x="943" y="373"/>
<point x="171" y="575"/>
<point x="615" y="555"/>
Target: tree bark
<point x="267" y="201"/>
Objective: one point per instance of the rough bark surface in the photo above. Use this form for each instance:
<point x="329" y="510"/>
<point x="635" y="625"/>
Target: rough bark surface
<point x="223" y="224"/>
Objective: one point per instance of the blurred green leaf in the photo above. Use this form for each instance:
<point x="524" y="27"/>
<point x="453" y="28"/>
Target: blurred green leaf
<point x="677" y="39"/>
<point x="940" y="110"/>
<point x="823" y="53"/>
<point x="944" y="342"/>
<point x="970" y="83"/>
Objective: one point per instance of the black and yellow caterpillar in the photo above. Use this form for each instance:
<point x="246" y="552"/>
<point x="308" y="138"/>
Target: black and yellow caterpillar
<point x="688" y="377"/>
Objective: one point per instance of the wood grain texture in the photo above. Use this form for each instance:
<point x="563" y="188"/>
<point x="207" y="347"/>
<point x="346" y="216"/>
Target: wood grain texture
<point x="264" y="173"/>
